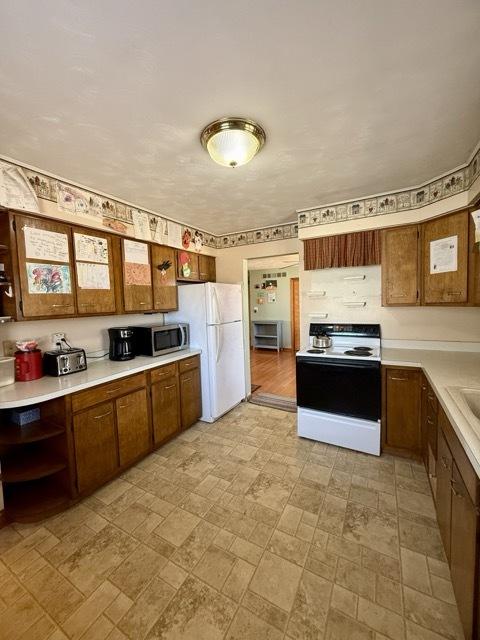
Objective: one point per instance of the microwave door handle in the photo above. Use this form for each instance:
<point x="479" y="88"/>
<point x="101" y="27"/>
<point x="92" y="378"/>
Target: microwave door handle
<point x="183" y="331"/>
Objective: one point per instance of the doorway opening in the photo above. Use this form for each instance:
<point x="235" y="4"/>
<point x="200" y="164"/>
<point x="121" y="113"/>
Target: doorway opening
<point x="274" y="321"/>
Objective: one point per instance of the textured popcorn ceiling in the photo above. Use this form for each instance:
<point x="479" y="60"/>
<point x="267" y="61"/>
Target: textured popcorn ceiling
<point x="356" y="96"/>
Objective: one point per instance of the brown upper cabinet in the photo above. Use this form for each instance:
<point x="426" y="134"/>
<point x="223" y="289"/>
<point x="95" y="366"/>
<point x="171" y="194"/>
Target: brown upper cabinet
<point x="137" y="276"/>
<point x="45" y="267"/>
<point x="187" y="266"/>
<point x="165" y="293"/>
<point x="441" y="286"/>
<point x="401" y="266"/>
<point x="206" y="268"/>
<point x="57" y="269"/>
<point x="94" y="272"/>
<point x="417" y="267"/>
<point x="473" y="265"/>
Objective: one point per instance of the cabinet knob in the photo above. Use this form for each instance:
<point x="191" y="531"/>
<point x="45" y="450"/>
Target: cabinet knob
<point x="113" y="390"/>
<point x="57" y="306"/>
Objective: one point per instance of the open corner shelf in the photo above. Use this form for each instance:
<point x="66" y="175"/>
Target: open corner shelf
<point x="25" y="465"/>
<point x="27" y="501"/>
<point x="13" y="434"/>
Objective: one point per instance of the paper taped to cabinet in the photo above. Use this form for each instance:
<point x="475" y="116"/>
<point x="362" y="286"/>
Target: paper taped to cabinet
<point x="93" y="276"/>
<point x="136" y="252"/>
<point x="91" y="248"/>
<point x="45" y="245"/>
<point x="444" y="255"/>
<point x="48" y="278"/>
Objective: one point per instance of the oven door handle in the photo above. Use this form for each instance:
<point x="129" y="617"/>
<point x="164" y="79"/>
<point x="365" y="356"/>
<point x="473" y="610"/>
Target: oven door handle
<point x="340" y="363"/>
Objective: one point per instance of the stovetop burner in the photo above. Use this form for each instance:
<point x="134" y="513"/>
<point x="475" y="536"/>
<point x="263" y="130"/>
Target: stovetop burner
<point x="357" y="352"/>
<point x="315" y="350"/>
<point x="360" y="349"/>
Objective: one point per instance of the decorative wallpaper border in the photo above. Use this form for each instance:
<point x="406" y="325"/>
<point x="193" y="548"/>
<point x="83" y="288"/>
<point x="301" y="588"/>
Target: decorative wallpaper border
<point x="119" y="216"/>
<point x="414" y="198"/>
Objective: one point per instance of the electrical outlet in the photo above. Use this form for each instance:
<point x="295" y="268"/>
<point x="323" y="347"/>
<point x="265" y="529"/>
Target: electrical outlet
<point x="57" y="337"/>
<point x="9" y="347"/>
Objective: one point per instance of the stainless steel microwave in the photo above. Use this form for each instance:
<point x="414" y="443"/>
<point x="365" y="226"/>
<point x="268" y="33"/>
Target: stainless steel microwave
<point x="159" y="339"/>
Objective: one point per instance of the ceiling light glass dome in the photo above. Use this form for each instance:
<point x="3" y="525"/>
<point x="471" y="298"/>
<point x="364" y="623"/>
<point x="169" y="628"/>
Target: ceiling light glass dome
<point x="232" y="142"/>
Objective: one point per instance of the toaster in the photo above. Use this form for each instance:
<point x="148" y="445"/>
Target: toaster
<point x="61" y="362"/>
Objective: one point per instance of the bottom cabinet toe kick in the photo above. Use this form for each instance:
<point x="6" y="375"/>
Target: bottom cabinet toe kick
<point x="82" y="439"/>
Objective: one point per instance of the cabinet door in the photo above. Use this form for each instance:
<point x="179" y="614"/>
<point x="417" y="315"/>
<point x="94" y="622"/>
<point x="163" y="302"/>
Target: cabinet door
<point x="137" y="276"/>
<point x="190" y="397"/>
<point x="444" y="490"/>
<point x="133" y="426"/>
<point x="400" y="266"/>
<point x="424" y="421"/>
<point x="473" y="266"/>
<point x="45" y="266"/>
<point x="96" y="456"/>
<point x="165" y="294"/>
<point x="403" y="403"/>
<point x="165" y="409"/>
<point x="187" y="265"/>
<point x="207" y="268"/>
<point x="463" y="559"/>
<point x="94" y="270"/>
<point x="449" y="287"/>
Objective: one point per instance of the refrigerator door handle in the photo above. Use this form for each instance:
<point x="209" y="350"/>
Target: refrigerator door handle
<point x="216" y="307"/>
<point x="219" y="346"/>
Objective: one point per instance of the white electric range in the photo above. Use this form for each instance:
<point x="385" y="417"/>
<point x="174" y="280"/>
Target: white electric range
<point x="339" y="387"/>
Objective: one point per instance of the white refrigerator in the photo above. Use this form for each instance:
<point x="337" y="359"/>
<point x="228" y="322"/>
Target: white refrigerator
<point x="214" y="314"/>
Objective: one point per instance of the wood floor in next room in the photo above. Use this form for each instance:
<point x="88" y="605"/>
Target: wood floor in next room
<point x="237" y="530"/>
<point x="274" y="372"/>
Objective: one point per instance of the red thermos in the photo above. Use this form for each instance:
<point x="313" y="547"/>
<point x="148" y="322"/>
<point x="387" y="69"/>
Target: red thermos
<point x="28" y="365"/>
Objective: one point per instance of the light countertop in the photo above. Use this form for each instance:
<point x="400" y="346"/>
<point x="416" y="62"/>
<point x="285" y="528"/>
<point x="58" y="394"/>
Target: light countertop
<point x="446" y="369"/>
<point x="21" y="394"/>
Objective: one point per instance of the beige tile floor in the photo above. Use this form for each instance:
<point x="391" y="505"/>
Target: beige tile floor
<point x="237" y="530"/>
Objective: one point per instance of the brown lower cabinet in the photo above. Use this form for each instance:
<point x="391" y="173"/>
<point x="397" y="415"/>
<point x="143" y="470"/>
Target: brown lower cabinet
<point x="454" y="483"/>
<point x="401" y="410"/>
<point x="134" y="439"/>
<point x="95" y="443"/>
<point x="117" y="423"/>
<point x="191" y="397"/>
<point x="165" y="409"/>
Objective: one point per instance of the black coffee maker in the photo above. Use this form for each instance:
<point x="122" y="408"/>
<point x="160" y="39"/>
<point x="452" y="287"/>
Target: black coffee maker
<point x="121" y="343"/>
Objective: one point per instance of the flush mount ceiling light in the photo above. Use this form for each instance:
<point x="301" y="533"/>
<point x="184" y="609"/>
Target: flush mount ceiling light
<point x="232" y="142"/>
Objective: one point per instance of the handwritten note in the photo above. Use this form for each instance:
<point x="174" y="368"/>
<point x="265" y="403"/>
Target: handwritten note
<point x="91" y="248"/>
<point x="45" y="245"/>
<point x="136" y="252"/>
<point x="93" y="276"/>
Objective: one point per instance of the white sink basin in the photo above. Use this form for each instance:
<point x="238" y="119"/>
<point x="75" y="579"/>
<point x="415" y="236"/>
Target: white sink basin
<point x="468" y="401"/>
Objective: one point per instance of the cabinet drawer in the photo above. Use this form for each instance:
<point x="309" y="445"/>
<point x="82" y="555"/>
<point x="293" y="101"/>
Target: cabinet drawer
<point x="461" y="460"/>
<point x="162" y="373"/>
<point x="188" y="364"/>
<point x="107" y="391"/>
